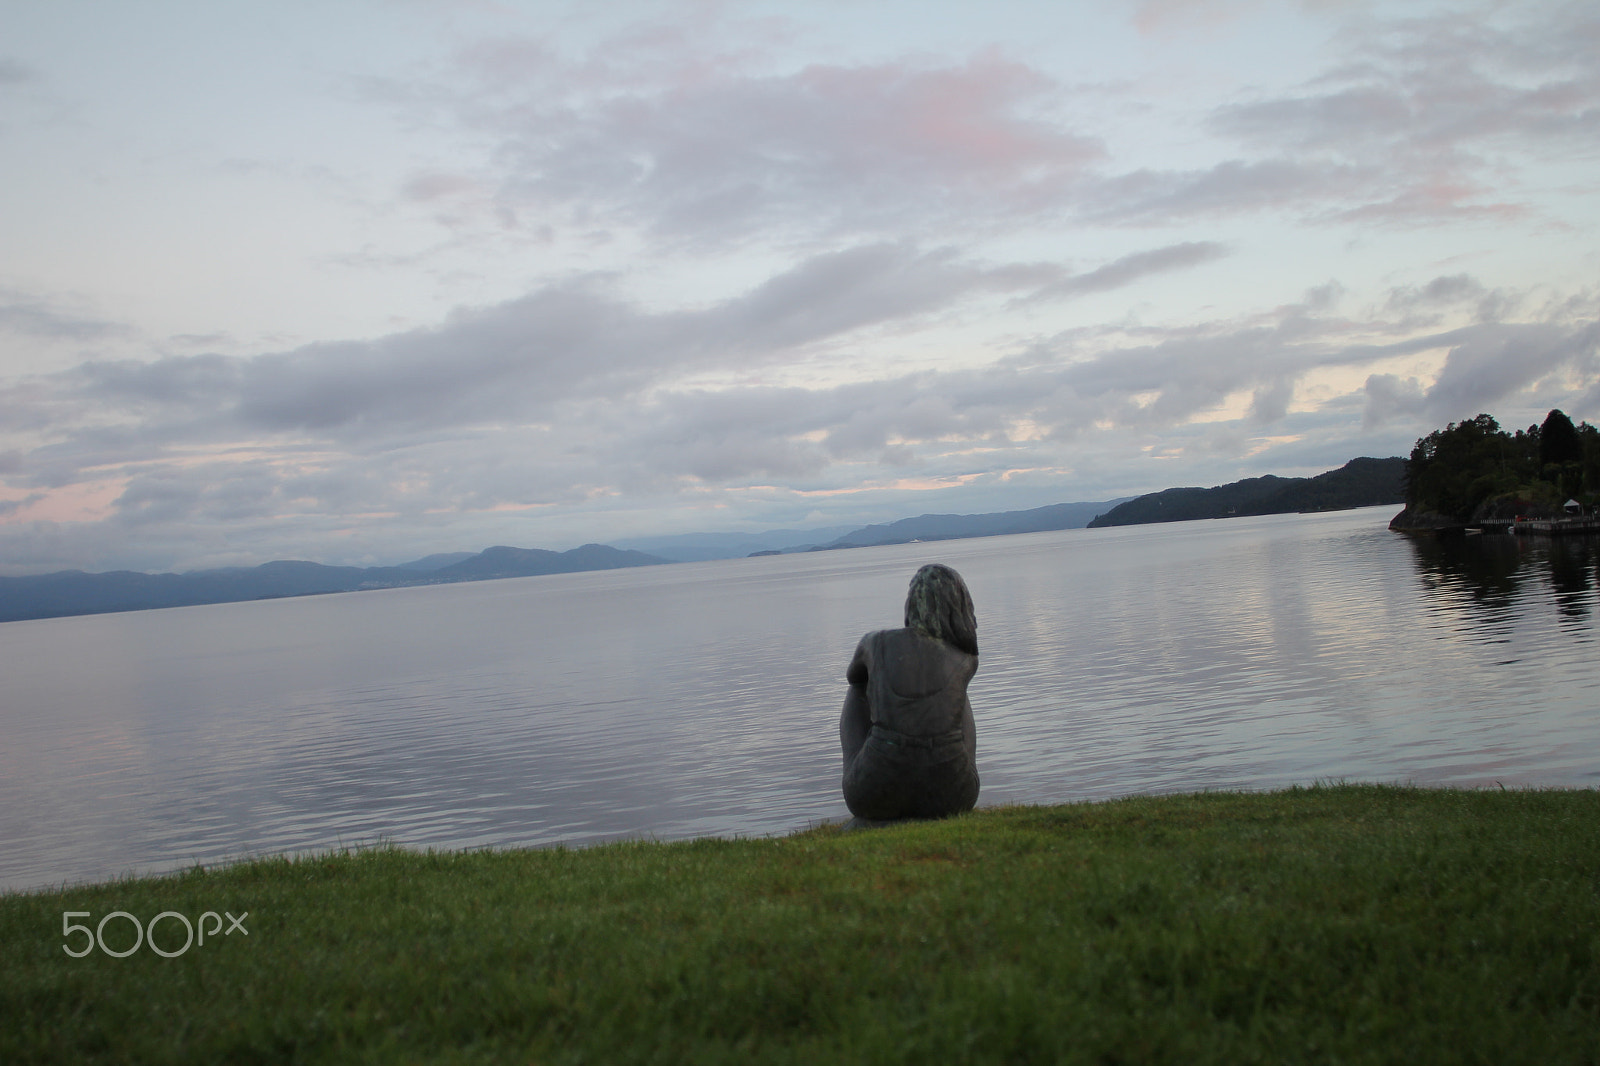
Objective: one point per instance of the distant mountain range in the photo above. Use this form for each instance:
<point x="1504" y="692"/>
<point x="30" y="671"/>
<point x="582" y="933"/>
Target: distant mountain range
<point x="956" y="526"/>
<point x="702" y="547"/>
<point x="1359" y="483"/>
<point x="75" y="592"/>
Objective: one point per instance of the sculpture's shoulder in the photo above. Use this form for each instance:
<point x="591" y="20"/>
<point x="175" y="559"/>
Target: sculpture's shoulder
<point x="921" y="643"/>
<point x="869" y="642"/>
<point x="924" y="655"/>
<point x="867" y="655"/>
<point x="900" y="638"/>
<point x="960" y="664"/>
<point x="873" y="645"/>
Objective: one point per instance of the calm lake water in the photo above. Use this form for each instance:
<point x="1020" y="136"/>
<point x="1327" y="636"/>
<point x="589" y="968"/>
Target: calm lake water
<point x="702" y="698"/>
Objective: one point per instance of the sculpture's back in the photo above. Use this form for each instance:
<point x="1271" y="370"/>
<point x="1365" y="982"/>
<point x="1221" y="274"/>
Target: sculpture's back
<point x="910" y="745"/>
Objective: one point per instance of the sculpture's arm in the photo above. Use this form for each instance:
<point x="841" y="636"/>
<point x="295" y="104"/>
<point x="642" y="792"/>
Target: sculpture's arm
<point x="855" y="722"/>
<point x="856" y="672"/>
<point x="856" y="719"/>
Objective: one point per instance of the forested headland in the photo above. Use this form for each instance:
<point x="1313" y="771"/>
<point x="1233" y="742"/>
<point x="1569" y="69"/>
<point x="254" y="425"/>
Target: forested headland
<point x="1474" y="472"/>
<point x="1363" y="482"/>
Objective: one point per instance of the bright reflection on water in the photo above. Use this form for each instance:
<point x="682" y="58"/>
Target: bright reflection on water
<point x="703" y="698"/>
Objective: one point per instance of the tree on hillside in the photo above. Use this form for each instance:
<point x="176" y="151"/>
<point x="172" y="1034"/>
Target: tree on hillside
<point x="1474" y="468"/>
<point x="1452" y="470"/>
<point x="1589" y="438"/>
<point x="1559" y="441"/>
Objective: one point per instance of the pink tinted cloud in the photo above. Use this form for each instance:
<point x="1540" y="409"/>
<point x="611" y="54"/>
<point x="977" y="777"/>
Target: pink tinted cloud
<point x="435" y="185"/>
<point x="84" y="502"/>
<point x="959" y="120"/>
<point x="717" y="150"/>
<point x="1433" y="201"/>
<point x="1159" y="16"/>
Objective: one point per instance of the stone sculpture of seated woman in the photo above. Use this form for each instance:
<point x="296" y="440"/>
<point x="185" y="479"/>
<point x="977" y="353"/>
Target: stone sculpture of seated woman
<point x="910" y="748"/>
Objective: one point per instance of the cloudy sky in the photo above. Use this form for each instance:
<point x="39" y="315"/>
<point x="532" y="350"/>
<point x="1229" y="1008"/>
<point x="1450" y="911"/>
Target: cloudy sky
<point x="363" y="280"/>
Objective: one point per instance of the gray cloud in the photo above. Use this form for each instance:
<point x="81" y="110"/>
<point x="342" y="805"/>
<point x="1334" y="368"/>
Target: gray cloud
<point x="682" y="144"/>
<point x="837" y="292"/>
<point x="1139" y="388"/>
<point x="1270" y="402"/>
<point x="1131" y="268"/>
<point x="33" y="317"/>
<point x="1389" y="397"/>
<point x="1434" y="83"/>
<point x="1491" y="362"/>
<point x="584" y="388"/>
<point x="8" y="507"/>
<point x="1417" y="122"/>
<point x="519" y="359"/>
<point x="1489" y="366"/>
<point x="13" y="72"/>
<point x="865" y="149"/>
<point x="1440" y="292"/>
<point x="1148" y="197"/>
<point x="1087" y="401"/>
<point x="567" y="343"/>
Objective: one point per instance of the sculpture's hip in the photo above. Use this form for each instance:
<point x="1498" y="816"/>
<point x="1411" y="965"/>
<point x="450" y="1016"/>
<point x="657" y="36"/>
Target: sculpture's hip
<point x="896" y="775"/>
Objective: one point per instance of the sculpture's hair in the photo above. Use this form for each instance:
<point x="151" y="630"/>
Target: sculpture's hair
<point x="940" y="606"/>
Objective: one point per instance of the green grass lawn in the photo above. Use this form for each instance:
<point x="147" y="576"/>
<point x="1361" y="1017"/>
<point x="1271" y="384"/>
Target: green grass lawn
<point x="1332" y="924"/>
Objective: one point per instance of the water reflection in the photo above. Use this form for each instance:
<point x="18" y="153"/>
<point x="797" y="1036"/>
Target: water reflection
<point x="1572" y="564"/>
<point x="1491" y="575"/>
